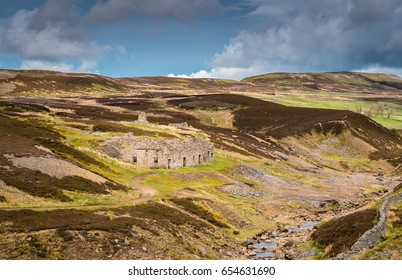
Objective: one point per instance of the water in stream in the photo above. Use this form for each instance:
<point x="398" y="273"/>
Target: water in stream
<point x="265" y="248"/>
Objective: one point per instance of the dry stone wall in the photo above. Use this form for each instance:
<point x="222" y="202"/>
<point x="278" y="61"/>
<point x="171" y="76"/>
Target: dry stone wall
<point x="371" y="237"/>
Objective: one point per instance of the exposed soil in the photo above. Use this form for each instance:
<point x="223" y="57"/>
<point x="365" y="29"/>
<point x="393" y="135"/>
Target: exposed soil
<point x="55" y="167"/>
<point x="146" y="193"/>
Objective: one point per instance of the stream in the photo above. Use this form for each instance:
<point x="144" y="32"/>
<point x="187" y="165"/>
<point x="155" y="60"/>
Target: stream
<point x="265" y="248"/>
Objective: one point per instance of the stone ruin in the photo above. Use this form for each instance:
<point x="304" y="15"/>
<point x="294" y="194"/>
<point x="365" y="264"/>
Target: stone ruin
<point x="179" y="125"/>
<point x="158" y="153"/>
<point x="142" y="119"/>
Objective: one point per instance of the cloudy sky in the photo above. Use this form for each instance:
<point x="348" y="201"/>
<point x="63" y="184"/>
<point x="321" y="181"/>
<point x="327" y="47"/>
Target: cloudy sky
<point x="201" y="38"/>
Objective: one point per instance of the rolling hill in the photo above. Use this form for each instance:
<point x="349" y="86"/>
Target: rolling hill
<point x="287" y="155"/>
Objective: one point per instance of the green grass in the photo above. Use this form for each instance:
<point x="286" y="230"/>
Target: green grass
<point x="206" y="186"/>
<point x="220" y="163"/>
<point x="191" y="205"/>
<point x="398" y="206"/>
<point x="117" y="171"/>
<point x="81" y="139"/>
<point x="395" y="120"/>
<point x="168" y="185"/>
<point x="99" y="87"/>
<point x="115" y="197"/>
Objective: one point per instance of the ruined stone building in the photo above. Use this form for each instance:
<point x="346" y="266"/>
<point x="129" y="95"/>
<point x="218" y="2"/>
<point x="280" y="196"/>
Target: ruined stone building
<point x="158" y="153"/>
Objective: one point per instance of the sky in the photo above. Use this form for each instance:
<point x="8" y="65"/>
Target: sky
<point x="201" y="38"/>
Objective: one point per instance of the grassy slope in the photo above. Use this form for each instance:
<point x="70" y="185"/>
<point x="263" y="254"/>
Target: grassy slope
<point x="49" y="83"/>
<point x="394" y="120"/>
<point x="359" y="92"/>
<point x="124" y="173"/>
<point x="168" y="185"/>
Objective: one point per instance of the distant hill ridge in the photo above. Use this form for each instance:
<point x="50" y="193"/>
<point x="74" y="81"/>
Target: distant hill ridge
<point x="39" y="83"/>
<point x="329" y="82"/>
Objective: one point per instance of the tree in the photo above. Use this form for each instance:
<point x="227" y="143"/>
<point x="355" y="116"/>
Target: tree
<point x="390" y="112"/>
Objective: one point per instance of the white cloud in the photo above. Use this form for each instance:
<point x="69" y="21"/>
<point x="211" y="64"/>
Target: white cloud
<point x="231" y="73"/>
<point x="17" y="37"/>
<point x="87" y="66"/>
<point x="171" y="75"/>
<point x="43" y="65"/>
<point x="48" y="39"/>
<point x="381" y="69"/>
<point x="84" y="67"/>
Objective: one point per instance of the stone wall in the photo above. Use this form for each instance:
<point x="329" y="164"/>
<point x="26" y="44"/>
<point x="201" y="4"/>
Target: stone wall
<point x="179" y="125"/>
<point x="371" y="237"/>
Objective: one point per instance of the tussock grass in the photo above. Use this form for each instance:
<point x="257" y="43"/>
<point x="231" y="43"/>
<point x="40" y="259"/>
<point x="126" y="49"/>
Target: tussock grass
<point x="189" y="204"/>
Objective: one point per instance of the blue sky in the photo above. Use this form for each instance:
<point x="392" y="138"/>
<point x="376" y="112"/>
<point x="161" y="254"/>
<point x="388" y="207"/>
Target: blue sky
<point x="201" y="38"/>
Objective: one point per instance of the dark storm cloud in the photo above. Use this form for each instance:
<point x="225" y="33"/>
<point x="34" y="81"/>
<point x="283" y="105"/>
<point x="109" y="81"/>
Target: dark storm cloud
<point x="372" y="11"/>
<point x="52" y="33"/>
<point x="315" y="35"/>
<point x="56" y="12"/>
<point x="113" y="10"/>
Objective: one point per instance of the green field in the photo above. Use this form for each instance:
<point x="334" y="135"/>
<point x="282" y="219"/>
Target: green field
<point x="390" y="117"/>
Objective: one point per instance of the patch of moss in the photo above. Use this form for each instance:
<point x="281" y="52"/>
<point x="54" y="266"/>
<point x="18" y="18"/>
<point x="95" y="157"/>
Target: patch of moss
<point x="189" y="205"/>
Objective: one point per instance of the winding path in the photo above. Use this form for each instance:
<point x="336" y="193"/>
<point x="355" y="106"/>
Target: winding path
<point x="146" y="193"/>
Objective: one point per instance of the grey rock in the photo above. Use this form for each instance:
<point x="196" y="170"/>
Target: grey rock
<point x="310" y="253"/>
<point x="289" y="244"/>
<point x="203" y="252"/>
<point x="247" y="242"/>
<point x="279" y="255"/>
